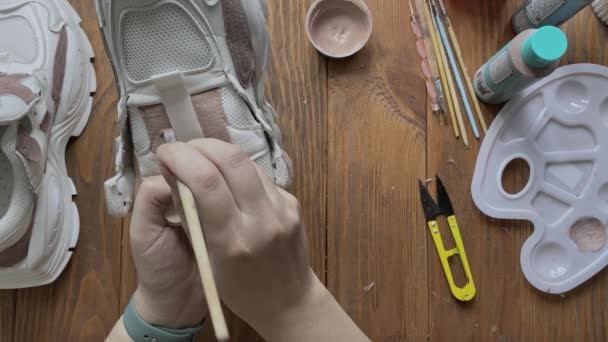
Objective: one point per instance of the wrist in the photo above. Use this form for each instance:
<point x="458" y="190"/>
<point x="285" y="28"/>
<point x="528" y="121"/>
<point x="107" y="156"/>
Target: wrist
<point x="295" y="317"/>
<point x="176" y="312"/>
<point x="317" y="317"/>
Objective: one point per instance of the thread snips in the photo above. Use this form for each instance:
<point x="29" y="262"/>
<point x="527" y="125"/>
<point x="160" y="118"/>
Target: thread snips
<point x="432" y="211"/>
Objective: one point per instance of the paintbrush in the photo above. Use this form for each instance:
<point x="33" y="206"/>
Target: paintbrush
<point x="201" y="254"/>
<point x="463" y="66"/>
<point x="440" y="66"/>
<point x="449" y="79"/>
<point x="452" y="60"/>
<point x="440" y="88"/>
<point x="424" y="64"/>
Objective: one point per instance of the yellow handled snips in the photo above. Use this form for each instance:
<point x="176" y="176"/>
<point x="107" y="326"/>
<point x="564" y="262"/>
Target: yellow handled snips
<point x="432" y="211"/>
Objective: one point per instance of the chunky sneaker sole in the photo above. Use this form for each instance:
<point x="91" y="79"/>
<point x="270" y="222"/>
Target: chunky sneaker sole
<point x="55" y="224"/>
<point x="196" y="67"/>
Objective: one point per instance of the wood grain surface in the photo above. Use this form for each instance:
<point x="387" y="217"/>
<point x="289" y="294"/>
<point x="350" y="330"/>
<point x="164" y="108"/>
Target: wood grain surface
<point x="361" y="134"/>
<point x="507" y="307"/>
<point x="377" y="133"/>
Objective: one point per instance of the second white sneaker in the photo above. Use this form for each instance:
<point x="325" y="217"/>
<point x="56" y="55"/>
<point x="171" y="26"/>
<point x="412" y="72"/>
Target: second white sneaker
<point x="46" y="82"/>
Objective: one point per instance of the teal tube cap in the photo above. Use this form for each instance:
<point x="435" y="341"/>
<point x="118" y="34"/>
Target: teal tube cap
<point x="545" y="46"/>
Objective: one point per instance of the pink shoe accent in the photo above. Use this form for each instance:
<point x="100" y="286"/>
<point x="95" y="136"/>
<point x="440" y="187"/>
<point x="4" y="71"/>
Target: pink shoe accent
<point x="11" y="85"/>
<point x="59" y="66"/>
<point x="28" y="146"/>
<point x="17" y="252"/>
<point x="209" y="111"/>
<point x="238" y="38"/>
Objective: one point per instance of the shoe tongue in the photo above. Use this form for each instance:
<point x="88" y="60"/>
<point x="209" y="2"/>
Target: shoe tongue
<point x="18" y="93"/>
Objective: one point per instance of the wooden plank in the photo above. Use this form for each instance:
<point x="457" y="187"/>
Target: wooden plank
<point x="297" y="88"/>
<point x="376" y="232"/>
<point x="7" y="314"/>
<point x="356" y="178"/>
<point x="128" y="277"/>
<point x="83" y="303"/>
<point x="507" y="307"/>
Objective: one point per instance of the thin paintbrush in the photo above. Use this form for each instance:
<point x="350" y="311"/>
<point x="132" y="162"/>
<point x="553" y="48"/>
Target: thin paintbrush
<point x="426" y="70"/>
<point x="450" y="81"/>
<point x="201" y="255"/>
<point x="430" y="57"/>
<point x="452" y="60"/>
<point x="440" y="66"/>
<point x="463" y="66"/>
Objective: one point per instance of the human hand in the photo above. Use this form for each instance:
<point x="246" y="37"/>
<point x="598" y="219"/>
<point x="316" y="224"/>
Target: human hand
<point x="170" y="292"/>
<point x="256" y="243"/>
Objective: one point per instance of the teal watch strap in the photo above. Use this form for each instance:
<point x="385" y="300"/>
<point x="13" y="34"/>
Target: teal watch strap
<point x="141" y="331"/>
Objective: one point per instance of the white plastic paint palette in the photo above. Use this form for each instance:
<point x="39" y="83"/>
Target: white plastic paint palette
<point x="559" y="127"/>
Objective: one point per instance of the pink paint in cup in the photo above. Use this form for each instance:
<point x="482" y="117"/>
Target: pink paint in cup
<point x="339" y="28"/>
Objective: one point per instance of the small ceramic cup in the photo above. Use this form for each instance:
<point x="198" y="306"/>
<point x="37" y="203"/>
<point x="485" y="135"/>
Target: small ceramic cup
<point x="339" y="28"/>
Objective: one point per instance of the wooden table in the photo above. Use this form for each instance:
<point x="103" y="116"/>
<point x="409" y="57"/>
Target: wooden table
<point x="361" y="135"/>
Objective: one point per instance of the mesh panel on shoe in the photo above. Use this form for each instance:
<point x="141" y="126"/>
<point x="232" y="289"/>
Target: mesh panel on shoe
<point x="160" y="40"/>
<point x="11" y="104"/>
<point x="22" y="196"/>
<point x="237" y="112"/>
<point x="265" y="162"/>
<point x="21" y="43"/>
<point x="139" y="132"/>
<point x="6" y="180"/>
<point x="284" y="171"/>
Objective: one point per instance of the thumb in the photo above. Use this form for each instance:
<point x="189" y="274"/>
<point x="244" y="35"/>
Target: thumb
<point x="175" y="213"/>
<point x="148" y="220"/>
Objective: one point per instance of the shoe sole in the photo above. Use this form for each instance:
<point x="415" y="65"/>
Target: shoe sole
<point x="72" y="125"/>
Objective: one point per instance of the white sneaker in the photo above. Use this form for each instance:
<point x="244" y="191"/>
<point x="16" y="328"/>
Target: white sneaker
<point x="46" y="82"/>
<point x="196" y="66"/>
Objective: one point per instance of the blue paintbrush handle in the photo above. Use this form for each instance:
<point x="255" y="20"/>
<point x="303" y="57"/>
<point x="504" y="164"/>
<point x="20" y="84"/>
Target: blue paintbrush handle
<point x="463" y="93"/>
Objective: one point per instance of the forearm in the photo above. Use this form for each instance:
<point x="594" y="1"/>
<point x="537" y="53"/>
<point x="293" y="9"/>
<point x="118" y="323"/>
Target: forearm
<point x="320" y="318"/>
